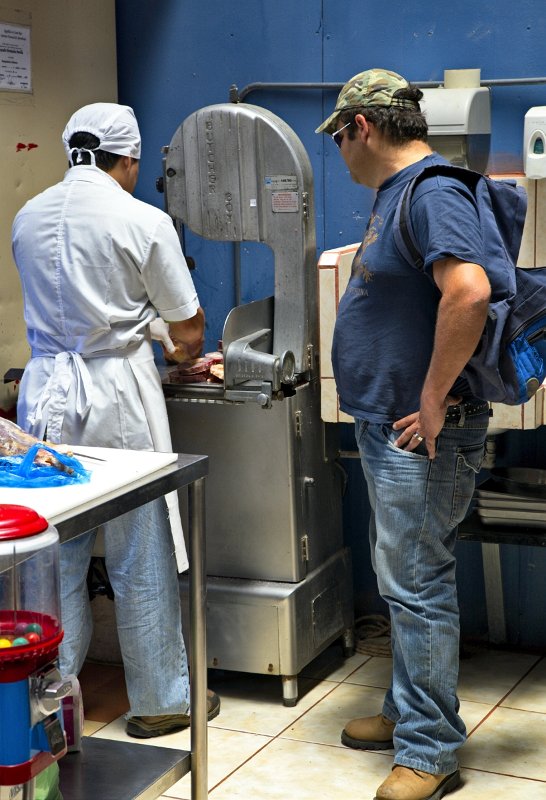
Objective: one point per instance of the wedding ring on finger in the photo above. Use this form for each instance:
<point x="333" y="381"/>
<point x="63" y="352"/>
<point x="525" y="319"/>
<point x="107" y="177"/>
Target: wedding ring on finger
<point x="418" y="437"/>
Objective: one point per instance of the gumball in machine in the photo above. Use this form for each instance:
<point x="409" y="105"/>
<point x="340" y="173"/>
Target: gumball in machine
<point x="31" y="687"/>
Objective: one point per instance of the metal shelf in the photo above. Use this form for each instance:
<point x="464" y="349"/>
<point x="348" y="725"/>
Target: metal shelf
<point x="120" y="770"/>
<point x="472" y="529"/>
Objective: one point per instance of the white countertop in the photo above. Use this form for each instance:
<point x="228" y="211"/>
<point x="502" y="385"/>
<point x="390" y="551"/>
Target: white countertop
<point x="118" y="468"/>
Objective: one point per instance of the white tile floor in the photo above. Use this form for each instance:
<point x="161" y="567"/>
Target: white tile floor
<point x="262" y="750"/>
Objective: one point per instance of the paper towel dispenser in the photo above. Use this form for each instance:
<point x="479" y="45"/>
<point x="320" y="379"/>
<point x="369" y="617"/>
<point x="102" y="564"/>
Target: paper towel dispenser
<point x="459" y="123"/>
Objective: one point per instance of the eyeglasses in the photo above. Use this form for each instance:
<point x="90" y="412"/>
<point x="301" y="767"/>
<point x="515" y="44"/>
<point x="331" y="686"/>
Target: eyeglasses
<point x="336" y="137"/>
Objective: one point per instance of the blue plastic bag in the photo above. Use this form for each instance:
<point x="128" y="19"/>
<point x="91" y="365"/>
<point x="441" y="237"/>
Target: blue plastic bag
<point x="22" y="471"/>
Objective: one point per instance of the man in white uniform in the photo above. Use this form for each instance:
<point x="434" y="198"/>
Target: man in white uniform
<point x="97" y="266"/>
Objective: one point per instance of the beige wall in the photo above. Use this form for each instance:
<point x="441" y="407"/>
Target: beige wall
<point x="73" y="57"/>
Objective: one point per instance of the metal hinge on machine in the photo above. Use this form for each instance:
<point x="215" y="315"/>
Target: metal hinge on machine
<point x="305" y="204"/>
<point x="304" y="541"/>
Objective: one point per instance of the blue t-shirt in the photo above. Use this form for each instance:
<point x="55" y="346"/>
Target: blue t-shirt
<point x="384" y="331"/>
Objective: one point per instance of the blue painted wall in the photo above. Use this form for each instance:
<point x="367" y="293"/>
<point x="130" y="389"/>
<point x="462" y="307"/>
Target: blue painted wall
<point x="175" y="57"/>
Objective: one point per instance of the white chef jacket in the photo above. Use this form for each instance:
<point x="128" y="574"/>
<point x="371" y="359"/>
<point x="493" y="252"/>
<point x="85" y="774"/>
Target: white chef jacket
<point x="96" y="266"/>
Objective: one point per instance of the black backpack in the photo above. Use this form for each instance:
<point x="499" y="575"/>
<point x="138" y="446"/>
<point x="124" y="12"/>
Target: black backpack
<point x="509" y="363"/>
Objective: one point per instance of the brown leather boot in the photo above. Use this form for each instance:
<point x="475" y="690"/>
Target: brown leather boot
<point x="405" y="783"/>
<point x="369" y="733"/>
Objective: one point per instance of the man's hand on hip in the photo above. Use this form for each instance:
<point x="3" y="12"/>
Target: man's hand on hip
<point x="423" y="425"/>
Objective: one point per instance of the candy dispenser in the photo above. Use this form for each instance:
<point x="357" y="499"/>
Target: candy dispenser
<point x="31" y="687"/>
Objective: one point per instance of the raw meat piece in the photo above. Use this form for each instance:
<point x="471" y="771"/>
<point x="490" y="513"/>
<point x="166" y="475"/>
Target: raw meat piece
<point x="15" y="442"/>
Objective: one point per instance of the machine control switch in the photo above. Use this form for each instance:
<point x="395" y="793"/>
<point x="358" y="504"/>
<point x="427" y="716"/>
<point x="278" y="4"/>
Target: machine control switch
<point x="47" y="688"/>
<point x="57" y="690"/>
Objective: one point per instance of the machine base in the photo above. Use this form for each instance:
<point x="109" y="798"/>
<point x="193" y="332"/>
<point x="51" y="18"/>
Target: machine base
<point x="274" y="628"/>
<point x="112" y="770"/>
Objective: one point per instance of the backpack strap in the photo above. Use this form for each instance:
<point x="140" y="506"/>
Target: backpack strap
<point x="404" y="236"/>
<point x="403" y="230"/>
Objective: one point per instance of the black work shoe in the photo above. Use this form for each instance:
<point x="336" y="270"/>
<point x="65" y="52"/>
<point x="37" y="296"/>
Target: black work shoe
<point x="147" y="727"/>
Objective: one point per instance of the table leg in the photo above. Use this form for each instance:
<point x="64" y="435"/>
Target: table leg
<point x="198" y="647"/>
<point x="494" y="595"/>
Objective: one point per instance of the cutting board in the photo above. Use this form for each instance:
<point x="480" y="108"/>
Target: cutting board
<point x="110" y="470"/>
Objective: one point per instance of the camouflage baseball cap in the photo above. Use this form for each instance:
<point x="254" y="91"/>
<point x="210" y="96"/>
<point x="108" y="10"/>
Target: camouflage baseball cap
<point x="374" y="87"/>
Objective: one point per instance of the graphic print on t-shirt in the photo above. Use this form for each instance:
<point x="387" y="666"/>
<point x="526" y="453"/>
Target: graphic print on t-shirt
<point x="359" y="268"/>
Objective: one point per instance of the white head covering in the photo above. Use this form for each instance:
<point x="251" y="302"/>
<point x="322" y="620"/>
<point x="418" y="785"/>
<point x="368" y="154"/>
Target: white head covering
<point x="114" y="126"/>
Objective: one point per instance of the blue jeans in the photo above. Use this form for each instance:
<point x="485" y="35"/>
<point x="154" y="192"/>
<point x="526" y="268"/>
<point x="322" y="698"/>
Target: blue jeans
<point x="416" y="507"/>
<point x="142" y="570"/>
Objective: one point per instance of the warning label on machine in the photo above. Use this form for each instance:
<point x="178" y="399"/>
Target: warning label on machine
<point x="285" y="202"/>
<point x="281" y="183"/>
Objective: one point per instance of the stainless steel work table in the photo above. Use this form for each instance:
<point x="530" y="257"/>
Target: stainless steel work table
<point x="112" y="770"/>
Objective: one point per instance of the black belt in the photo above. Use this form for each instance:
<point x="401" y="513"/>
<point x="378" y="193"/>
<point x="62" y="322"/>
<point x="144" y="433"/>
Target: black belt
<point x="469" y="409"/>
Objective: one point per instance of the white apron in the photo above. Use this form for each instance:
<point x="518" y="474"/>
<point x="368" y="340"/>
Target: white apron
<point x="98" y="401"/>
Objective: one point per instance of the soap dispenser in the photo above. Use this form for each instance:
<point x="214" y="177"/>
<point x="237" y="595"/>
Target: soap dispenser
<point x="534" y="143"/>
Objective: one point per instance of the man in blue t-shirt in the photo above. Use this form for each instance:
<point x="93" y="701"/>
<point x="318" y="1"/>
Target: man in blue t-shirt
<point x="401" y="340"/>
